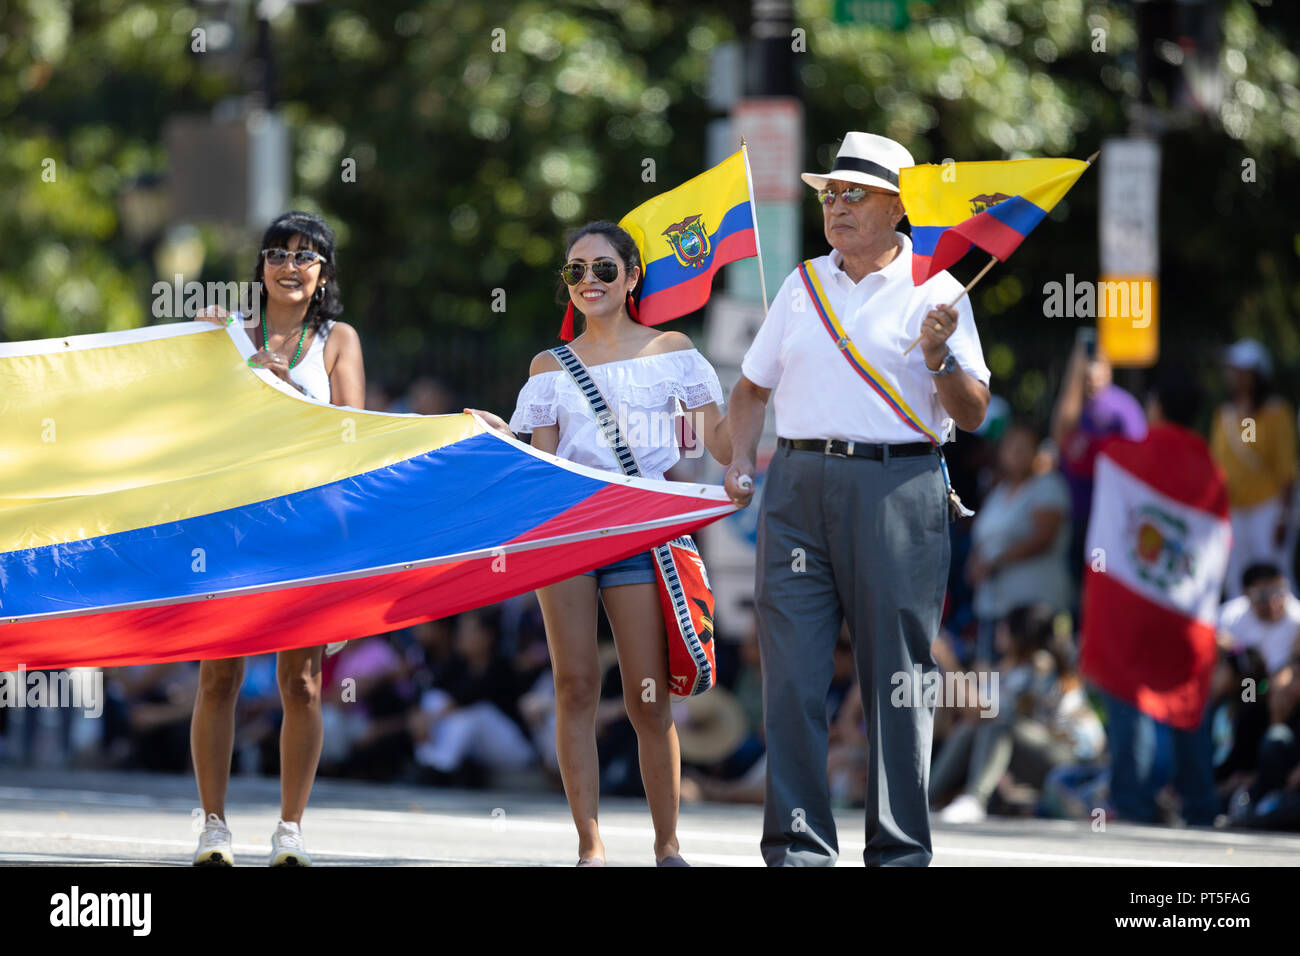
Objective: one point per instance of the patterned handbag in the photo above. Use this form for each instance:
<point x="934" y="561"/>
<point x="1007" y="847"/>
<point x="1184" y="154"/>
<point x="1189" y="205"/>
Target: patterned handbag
<point x="684" y="591"/>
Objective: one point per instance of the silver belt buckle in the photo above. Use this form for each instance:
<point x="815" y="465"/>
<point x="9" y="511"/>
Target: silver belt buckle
<point x="838" y="454"/>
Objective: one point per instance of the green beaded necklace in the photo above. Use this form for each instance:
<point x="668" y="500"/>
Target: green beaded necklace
<point x="266" y="341"/>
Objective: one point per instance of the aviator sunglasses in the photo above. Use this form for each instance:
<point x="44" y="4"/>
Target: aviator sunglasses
<point x="852" y="196"/>
<point x="302" y="257"/>
<point x="605" y="270"/>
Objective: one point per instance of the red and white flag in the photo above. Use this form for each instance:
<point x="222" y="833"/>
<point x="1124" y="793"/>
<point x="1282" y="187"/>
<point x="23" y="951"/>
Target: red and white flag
<point x="1157" y="552"/>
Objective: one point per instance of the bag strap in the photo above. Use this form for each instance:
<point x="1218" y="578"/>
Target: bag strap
<point x="879" y="384"/>
<point x="599" y="407"/>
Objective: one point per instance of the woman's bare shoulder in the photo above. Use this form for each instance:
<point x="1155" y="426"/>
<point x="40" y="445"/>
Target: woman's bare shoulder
<point x="345" y="333"/>
<point x="543" y="362"/>
<point x="670" y="341"/>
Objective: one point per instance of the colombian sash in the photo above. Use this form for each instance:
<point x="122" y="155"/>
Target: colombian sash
<point x="878" y="383"/>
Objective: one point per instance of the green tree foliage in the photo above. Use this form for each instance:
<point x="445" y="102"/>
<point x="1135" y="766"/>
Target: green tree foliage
<point x="481" y="132"/>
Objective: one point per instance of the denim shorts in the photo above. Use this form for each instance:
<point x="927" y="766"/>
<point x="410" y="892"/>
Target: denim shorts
<point x="638" y="569"/>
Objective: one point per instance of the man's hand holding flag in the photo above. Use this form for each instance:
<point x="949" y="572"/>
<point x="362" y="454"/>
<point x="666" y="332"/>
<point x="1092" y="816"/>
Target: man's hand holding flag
<point x="992" y="205"/>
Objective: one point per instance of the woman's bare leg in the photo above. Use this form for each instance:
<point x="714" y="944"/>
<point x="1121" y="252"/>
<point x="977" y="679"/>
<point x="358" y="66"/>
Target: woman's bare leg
<point x="635" y="615"/>
<point x="301" y="734"/>
<point x="212" y="730"/>
<point x="569" y="610"/>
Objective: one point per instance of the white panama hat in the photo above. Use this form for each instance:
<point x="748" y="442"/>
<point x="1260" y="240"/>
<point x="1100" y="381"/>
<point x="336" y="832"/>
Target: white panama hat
<point x="867" y="159"/>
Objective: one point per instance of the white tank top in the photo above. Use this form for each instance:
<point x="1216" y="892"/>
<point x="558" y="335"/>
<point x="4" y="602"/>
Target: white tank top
<point x="310" y="372"/>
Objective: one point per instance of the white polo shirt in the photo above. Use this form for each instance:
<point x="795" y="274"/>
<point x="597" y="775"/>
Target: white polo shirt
<point x="817" y="393"/>
<point x="1274" y="640"/>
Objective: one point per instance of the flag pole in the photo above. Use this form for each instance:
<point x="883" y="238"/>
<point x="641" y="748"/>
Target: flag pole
<point x="753" y="210"/>
<point x="970" y="285"/>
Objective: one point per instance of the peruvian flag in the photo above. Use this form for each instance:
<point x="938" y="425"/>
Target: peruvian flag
<point x="1157" y="552"/>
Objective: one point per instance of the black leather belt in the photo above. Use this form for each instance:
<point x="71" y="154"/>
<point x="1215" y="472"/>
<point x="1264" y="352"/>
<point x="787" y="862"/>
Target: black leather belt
<point x="851" y="449"/>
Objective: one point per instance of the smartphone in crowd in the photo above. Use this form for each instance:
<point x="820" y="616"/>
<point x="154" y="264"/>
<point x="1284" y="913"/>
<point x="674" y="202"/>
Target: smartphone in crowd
<point x="1087" y="337"/>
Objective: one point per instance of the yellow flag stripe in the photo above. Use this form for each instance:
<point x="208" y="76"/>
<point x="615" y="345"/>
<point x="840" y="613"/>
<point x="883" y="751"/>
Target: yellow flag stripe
<point x="943" y="195"/>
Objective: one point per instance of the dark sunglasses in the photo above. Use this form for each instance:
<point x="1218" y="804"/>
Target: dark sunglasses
<point x="303" y="257"/>
<point x="605" y="270"/>
<point x="852" y="196"/>
<point x="1262" y="595"/>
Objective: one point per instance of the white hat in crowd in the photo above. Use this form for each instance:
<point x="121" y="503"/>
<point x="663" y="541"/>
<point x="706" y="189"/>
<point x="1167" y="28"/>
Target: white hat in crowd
<point x="1251" y="356"/>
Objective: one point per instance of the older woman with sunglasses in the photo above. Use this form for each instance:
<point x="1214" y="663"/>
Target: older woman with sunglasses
<point x="645" y="376"/>
<point x="300" y="340"/>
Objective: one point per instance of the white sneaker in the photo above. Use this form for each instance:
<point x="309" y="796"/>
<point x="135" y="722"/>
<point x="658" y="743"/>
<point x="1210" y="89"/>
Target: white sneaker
<point x="965" y="809"/>
<point x="286" y="846"/>
<point x="214" y="844"/>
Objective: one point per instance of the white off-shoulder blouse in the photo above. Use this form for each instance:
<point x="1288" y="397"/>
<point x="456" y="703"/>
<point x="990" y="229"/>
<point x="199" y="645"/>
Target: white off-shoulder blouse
<point x="645" y="394"/>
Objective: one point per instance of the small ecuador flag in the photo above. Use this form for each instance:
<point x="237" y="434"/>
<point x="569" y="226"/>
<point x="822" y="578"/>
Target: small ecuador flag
<point x="990" y="205"/>
<point x="686" y="234"/>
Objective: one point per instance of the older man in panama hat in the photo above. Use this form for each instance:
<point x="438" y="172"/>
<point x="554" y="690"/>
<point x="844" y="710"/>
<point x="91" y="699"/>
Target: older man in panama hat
<point x="855" y="506"/>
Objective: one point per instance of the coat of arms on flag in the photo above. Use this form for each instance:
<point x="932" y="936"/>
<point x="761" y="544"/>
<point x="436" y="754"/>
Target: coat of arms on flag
<point x="1157" y="550"/>
<point x="687" y="234"/>
<point x="690" y="241"/>
<point x="1158" y="543"/>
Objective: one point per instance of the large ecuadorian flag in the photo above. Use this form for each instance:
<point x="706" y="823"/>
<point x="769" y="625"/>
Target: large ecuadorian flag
<point x="990" y="205"/>
<point x="161" y="501"/>
<point x="687" y="234"/>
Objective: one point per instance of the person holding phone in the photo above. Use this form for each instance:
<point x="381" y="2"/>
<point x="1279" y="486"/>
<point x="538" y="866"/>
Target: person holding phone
<point x="1090" y="409"/>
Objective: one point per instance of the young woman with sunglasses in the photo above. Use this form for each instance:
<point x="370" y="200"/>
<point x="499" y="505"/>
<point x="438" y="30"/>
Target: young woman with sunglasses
<point x="645" y="375"/>
<point x="300" y="340"/>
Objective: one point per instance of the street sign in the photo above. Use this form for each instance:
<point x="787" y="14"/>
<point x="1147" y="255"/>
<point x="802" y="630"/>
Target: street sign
<point x="1129" y="232"/>
<point x="773" y="130"/>
<point x="892" y="14"/>
<point x="1130" y="207"/>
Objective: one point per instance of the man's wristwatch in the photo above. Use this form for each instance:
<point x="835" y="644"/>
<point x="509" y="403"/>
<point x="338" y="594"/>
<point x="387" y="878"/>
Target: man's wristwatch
<point x="946" y="367"/>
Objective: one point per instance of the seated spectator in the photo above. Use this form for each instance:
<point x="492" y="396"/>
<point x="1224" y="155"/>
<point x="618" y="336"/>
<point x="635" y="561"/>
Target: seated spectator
<point x="1264" y="624"/>
<point x="367" y="694"/>
<point x="1273" y="800"/>
<point x="1071" y="757"/>
<point x="742" y="778"/>
<point x="468" y="723"/>
<point x="1019" y="540"/>
<point x="147" y="716"/>
<point x="1238" y="721"/>
<point x="714" y="735"/>
<point x="1265" y="618"/>
<point x="1038" y="723"/>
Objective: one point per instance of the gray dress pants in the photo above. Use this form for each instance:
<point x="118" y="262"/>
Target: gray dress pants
<point x="866" y="541"/>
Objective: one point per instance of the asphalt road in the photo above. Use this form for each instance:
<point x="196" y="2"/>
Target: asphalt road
<point x="97" y="818"/>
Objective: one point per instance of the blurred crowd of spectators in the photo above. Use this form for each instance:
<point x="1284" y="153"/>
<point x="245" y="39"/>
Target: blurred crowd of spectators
<point x="469" y="700"/>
